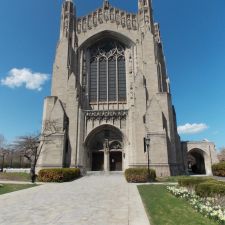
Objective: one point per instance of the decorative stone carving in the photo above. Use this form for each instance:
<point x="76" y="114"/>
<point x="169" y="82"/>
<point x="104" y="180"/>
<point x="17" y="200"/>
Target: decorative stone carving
<point x="66" y="26"/>
<point x="117" y="17"/>
<point x="112" y="15"/>
<point x="106" y="14"/>
<point x="84" y="24"/>
<point x="101" y="51"/>
<point x="130" y="63"/>
<point x="115" y="145"/>
<point x="100" y="16"/>
<point x="134" y="22"/>
<point x="106" y="115"/>
<point x="128" y="22"/>
<point x="106" y="4"/>
<point x="90" y="22"/>
<point x="95" y="20"/>
<point x="157" y="33"/>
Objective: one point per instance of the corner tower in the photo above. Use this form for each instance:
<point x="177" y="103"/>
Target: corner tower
<point x="109" y="91"/>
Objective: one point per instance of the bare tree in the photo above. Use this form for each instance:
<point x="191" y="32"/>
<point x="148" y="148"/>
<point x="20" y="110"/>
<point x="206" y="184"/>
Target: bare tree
<point x="221" y="155"/>
<point x="3" y="151"/>
<point x="30" y="146"/>
<point x="2" y="142"/>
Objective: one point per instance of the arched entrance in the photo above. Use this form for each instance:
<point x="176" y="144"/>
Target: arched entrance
<point x="196" y="162"/>
<point x="105" y="149"/>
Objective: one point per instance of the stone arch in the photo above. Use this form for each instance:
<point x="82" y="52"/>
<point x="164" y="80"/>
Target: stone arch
<point x="196" y="161"/>
<point x="204" y="149"/>
<point x="115" y="87"/>
<point x="105" y="148"/>
<point x="199" y="162"/>
<point x="127" y="40"/>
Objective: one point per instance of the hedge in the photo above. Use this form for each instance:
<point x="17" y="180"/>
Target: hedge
<point x="204" y="186"/>
<point x="219" y="169"/>
<point x="192" y="182"/>
<point x="58" y="175"/>
<point x="139" y="175"/>
<point x="210" y="189"/>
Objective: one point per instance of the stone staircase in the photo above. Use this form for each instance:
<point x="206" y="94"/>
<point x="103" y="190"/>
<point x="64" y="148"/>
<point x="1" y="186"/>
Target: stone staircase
<point x="103" y="173"/>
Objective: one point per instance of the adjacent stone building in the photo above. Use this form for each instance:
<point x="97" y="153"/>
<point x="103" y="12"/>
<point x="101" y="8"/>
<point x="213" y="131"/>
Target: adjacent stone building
<point x="110" y="91"/>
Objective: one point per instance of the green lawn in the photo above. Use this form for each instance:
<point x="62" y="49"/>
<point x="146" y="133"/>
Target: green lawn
<point x="165" y="209"/>
<point x="15" y="176"/>
<point x="6" y="188"/>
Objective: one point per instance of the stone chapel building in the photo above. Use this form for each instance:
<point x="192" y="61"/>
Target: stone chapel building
<point x="110" y="90"/>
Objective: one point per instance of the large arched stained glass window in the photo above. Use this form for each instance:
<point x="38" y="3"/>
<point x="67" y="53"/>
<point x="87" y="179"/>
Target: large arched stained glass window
<point x="107" y="81"/>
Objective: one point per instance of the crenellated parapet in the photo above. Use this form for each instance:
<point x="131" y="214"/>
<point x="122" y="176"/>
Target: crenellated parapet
<point x="107" y="15"/>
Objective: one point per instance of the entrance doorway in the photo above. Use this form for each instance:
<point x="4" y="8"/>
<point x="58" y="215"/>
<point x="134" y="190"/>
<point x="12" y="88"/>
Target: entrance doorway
<point x="196" y="162"/>
<point x="115" y="161"/>
<point x="97" y="161"/>
<point x="104" y="149"/>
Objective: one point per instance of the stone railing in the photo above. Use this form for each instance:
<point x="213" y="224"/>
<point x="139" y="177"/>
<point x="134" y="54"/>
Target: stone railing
<point x="113" y="15"/>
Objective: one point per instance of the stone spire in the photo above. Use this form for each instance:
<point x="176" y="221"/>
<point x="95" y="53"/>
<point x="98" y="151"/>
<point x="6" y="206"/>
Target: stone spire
<point x="67" y="19"/>
<point x="145" y="14"/>
<point x="144" y="4"/>
<point x="105" y="4"/>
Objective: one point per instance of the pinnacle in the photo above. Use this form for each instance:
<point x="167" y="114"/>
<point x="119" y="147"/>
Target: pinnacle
<point x="105" y="4"/>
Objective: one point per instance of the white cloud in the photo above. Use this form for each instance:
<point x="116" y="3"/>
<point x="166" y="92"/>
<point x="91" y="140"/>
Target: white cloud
<point x="192" y="128"/>
<point x="25" y="77"/>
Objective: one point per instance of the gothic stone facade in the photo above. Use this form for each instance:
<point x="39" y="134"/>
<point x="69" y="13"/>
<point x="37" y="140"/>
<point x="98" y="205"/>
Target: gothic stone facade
<point x="109" y="91"/>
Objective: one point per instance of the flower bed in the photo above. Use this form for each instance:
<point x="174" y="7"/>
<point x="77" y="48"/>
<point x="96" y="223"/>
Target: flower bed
<point x="206" y="206"/>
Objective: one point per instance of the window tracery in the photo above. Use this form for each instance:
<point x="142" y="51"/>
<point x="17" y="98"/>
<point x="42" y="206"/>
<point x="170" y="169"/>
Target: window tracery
<point x="107" y="80"/>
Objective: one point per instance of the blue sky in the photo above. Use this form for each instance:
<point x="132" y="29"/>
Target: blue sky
<point x="193" y="33"/>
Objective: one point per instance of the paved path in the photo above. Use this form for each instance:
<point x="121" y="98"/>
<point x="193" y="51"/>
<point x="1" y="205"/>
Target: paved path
<point x="91" y="200"/>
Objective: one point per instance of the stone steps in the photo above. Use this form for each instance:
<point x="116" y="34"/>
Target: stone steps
<point x="104" y="173"/>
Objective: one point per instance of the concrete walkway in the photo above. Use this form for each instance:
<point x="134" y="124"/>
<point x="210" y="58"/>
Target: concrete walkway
<point x="91" y="200"/>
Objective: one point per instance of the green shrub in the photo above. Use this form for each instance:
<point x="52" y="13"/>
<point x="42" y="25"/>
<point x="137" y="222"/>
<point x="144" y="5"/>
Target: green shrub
<point x="192" y="182"/>
<point x="171" y="179"/>
<point x="58" y="175"/>
<point x="139" y="175"/>
<point x="210" y="189"/>
<point x="219" y="169"/>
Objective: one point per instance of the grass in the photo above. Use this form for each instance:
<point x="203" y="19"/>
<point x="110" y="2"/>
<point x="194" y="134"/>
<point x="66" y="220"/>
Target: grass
<point x="6" y="188"/>
<point x="165" y="209"/>
<point x="15" y="176"/>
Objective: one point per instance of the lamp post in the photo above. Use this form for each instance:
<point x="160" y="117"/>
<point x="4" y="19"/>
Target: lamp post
<point x="147" y="142"/>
